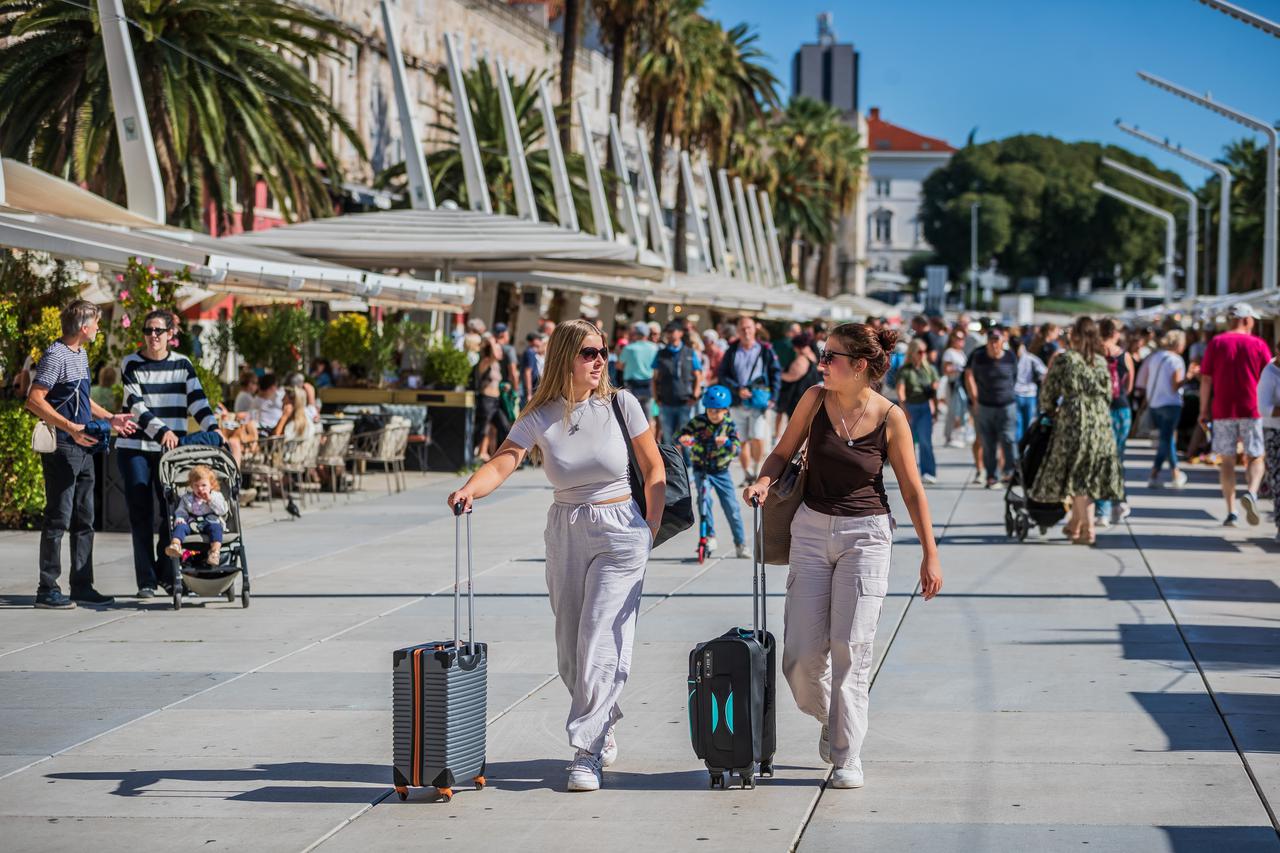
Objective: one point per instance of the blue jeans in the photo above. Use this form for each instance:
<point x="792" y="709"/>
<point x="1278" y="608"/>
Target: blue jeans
<point x="996" y="426"/>
<point x="140" y="470"/>
<point x="921" y="417"/>
<point x="1121" y="421"/>
<point x="212" y="529"/>
<point x="671" y="419"/>
<point x="1166" y="420"/>
<point x="1026" y="414"/>
<point x="722" y="482"/>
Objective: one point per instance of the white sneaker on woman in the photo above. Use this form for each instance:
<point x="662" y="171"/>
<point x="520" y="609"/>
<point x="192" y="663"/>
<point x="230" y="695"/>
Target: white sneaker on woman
<point x="609" y="754"/>
<point x="849" y="776"/>
<point x="584" y="772"/>
<point x="824" y="745"/>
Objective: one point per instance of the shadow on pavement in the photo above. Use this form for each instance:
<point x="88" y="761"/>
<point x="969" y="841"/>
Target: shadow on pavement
<point x="1141" y="588"/>
<point x="550" y="774"/>
<point x="143" y="783"/>
<point x="1121" y="541"/>
<point x="1191" y="723"/>
<point x="1229" y="645"/>
<point x="1237" y="839"/>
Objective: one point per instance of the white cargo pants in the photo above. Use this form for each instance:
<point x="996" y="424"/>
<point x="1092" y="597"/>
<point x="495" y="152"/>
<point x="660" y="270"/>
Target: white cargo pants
<point x="596" y="558"/>
<point x="835" y="590"/>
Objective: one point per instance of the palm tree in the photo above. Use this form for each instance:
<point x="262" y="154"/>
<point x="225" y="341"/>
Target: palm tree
<point x="1247" y="161"/>
<point x="225" y="88"/>
<point x="568" y="61"/>
<point x="445" y="162"/>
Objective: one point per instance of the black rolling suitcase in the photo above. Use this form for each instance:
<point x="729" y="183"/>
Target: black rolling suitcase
<point x="732" y="691"/>
<point x="439" y="700"/>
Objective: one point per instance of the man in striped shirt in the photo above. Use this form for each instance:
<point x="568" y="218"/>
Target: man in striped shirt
<point x="161" y="389"/>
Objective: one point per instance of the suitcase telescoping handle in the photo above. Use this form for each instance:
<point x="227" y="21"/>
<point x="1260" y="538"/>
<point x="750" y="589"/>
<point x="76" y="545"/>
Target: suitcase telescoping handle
<point x="759" y="618"/>
<point x="459" y="510"/>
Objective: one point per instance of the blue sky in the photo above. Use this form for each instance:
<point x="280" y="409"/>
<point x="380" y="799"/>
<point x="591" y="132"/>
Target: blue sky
<point x="1066" y="68"/>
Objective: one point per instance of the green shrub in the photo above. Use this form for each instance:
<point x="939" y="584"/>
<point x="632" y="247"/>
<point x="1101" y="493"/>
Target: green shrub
<point x="21" y="477"/>
<point x="444" y="365"/>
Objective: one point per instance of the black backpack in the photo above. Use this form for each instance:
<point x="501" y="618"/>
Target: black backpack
<point x="677" y="515"/>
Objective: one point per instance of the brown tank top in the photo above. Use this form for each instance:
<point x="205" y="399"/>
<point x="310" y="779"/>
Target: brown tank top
<point x="846" y="480"/>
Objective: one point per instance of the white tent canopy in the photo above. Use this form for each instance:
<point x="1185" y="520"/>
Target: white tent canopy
<point x="454" y="240"/>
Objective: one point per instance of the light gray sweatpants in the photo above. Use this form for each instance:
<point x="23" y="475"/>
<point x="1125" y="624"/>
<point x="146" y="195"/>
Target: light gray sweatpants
<point x="596" y="557"/>
<point x="835" y="590"/>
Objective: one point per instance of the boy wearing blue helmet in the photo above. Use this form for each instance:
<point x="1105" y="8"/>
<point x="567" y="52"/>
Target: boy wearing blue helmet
<point x="713" y="443"/>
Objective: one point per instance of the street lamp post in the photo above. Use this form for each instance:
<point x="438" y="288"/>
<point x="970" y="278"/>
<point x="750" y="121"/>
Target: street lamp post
<point x="1244" y="16"/>
<point x="973" y="253"/>
<point x="1170" y="229"/>
<point x="1193" y="215"/>
<point x="1224" y="202"/>
<point x="1269" y="203"/>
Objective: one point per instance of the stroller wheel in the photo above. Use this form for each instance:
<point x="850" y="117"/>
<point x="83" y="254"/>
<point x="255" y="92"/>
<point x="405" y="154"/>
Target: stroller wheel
<point x="1024" y="527"/>
<point x="231" y="594"/>
<point x="244" y="598"/>
<point x="177" y="598"/>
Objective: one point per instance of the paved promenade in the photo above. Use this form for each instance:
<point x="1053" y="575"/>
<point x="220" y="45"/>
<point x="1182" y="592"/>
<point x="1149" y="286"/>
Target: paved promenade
<point x="1054" y="697"/>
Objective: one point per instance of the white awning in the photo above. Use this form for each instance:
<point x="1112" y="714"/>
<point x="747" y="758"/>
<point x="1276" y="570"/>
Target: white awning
<point x="456" y="240"/>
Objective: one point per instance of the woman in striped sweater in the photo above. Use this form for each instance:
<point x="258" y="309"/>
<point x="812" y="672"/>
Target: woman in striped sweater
<point x="160" y="390"/>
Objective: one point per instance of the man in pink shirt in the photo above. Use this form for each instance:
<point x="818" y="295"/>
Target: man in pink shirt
<point x="1229" y="373"/>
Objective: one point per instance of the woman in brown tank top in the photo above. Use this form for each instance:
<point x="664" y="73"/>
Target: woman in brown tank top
<point x="842" y="535"/>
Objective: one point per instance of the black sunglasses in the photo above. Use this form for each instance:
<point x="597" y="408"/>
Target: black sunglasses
<point x="592" y="353"/>
<point x="155" y="330"/>
<point x="829" y="356"/>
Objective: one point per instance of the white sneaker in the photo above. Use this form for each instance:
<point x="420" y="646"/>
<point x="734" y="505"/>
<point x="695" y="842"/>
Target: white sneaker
<point x="824" y="745"/>
<point x="1179" y="480"/>
<point x="957" y="443"/>
<point x="742" y="551"/>
<point x="1101" y="521"/>
<point x="849" y="776"/>
<point x="977" y="476"/>
<point x="712" y="544"/>
<point x="584" y="772"/>
<point x="1249" y="504"/>
<point x="1153" y="482"/>
<point x="1119" y="512"/>
<point x="609" y="754"/>
<point x="929" y="479"/>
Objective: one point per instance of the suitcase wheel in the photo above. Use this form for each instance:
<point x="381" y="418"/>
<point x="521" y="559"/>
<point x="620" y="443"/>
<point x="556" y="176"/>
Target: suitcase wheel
<point x="748" y="780"/>
<point x="717" y="779"/>
<point x="446" y="794"/>
<point x="480" y="783"/>
<point x="766" y="770"/>
<point x="402" y="793"/>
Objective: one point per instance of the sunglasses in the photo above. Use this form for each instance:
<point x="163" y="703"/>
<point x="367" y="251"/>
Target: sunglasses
<point x="592" y="353"/>
<point x="829" y="356"/>
<point x="155" y="330"/>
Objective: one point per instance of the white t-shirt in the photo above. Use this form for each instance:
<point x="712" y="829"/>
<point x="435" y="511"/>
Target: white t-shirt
<point x="1156" y="376"/>
<point x="585" y="458"/>
<point x="1269" y="395"/>
<point x="245" y="402"/>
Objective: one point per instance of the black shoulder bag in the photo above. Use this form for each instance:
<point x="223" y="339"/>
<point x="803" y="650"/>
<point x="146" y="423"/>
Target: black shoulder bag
<point x="677" y="514"/>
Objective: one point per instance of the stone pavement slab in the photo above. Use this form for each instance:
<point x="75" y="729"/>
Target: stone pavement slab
<point x="1050" y="697"/>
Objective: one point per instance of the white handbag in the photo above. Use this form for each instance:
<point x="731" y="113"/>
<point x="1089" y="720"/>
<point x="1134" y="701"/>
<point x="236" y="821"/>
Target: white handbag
<point x="44" y="438"/>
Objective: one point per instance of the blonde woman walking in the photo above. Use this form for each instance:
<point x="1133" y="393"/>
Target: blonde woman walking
<point x="596" y="538"/>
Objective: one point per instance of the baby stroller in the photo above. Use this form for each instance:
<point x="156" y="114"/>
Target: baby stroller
<point x="194" y="573"/>
<point x="1020" y="512"/>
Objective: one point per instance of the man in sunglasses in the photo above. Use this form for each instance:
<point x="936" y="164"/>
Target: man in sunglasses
<point x="161" y="389"/>
<point x="751" y="372"/>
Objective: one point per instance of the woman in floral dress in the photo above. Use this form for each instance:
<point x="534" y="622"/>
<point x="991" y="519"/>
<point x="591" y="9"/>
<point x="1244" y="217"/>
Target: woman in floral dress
<point x="1082" y="463"/>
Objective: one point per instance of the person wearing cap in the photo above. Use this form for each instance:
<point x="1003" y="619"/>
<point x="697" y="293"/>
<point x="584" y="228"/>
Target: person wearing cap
<point x="990" y="377"/>
<point x="1233" y="362"/>
<point x="676" y="382"/>
<point x="636" y="364"/>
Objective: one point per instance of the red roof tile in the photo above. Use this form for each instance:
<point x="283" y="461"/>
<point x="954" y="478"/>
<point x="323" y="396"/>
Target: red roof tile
<point x="890" y="137"/>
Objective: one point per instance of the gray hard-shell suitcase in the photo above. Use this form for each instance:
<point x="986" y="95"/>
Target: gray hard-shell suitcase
<point x="439" y="700"/>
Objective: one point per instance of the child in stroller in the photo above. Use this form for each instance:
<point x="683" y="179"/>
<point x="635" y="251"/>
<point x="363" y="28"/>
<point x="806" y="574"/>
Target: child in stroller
<point x="202" y="509"/>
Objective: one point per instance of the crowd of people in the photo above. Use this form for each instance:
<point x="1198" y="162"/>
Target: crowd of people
<point x="1202" y="396"/>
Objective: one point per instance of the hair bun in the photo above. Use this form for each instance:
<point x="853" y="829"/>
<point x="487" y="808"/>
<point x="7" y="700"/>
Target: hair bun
<point x="888" y="339"/>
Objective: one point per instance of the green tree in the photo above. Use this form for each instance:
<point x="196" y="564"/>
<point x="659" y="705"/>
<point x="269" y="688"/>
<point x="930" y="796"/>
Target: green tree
<point x="1247" y="160"/>
<point x="1038" y="213"/>
<point x="225" y="88"/>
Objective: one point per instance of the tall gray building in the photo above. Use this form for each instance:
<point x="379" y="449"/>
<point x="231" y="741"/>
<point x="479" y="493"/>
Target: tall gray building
<point x="827" y="71"/>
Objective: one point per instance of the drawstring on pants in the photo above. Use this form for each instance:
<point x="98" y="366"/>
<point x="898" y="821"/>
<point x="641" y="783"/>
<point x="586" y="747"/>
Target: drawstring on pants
<point x="592" y="512"/>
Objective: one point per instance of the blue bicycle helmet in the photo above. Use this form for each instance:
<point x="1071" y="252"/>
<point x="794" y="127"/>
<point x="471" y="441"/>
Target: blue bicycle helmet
<point x="716" y="397"/>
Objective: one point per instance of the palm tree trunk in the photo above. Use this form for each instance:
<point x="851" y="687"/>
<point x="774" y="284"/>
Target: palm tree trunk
<point x="659" y="142"/>
<point x="823" y="287"/>
<point x="681" y="255"/>
<point x="616" y="87"/>
<point x="568" y="60"/>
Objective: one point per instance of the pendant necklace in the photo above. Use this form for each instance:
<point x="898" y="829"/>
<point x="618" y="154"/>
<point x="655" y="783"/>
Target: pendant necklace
<point x="848" y="433"/>
<point x="576" y="425"/>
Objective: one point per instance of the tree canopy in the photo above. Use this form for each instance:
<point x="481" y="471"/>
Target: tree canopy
<point x="1039" y="214"/>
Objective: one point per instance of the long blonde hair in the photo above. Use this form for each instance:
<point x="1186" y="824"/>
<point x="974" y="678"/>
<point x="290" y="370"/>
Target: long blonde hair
<point x="298" y="397"/>
<point x="557" y="377"/>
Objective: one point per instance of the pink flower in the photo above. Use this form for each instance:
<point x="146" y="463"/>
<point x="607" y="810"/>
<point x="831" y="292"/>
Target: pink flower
<point x="119" y="277"/>
<point x="124" y="294"/>
<point x="152" y="291"/>
<point x="125" y="321"/>
<point x="151" y="269"/>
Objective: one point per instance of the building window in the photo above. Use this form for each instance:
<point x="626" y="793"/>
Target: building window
<point x="882" y="187"/>
<point x="884" y="226"/>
